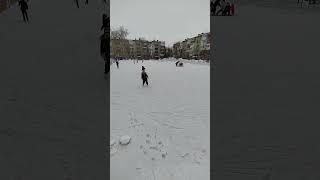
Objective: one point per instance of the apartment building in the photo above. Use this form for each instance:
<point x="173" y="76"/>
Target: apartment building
<point x="197" y="47"/>
<point x="119" y="48"/>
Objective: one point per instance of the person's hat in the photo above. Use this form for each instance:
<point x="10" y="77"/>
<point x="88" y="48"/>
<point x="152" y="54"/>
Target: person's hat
<point x="143" y="68"/>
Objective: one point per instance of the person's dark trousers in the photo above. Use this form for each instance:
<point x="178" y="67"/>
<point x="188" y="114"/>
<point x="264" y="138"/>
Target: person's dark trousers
<point x="25" y="15"/>
<point x="145" y="81"/>
<point x="87" y="1"/>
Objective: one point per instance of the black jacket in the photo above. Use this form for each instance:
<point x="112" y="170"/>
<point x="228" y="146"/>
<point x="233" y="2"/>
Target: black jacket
<point x="144" y="75"/>
<point x="23" y="5"/>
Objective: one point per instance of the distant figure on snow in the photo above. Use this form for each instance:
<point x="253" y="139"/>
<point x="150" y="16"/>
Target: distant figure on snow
<point x="105" y="23"/>
<point x="144" y="76"/>
<point x="117" y="62"/>
<point x="178" y="63"/>
<point x="24" y="7"/>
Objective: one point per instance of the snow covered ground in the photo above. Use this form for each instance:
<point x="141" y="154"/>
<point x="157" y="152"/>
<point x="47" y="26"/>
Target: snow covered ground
<point x="169" y="121"/>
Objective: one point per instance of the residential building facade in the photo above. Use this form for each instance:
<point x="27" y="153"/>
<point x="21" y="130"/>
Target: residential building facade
<point x="193" y="48"/>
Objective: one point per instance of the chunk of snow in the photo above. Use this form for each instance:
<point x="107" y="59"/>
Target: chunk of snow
<point x="124" y="140"/>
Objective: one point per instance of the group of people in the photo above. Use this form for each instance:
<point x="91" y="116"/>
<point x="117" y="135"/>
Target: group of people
<point x="308" y="2"/>
<point x="87" y="2"/>
<point x="226" y="8"/>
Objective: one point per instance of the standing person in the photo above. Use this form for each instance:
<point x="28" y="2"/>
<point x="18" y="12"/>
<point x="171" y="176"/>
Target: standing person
<point x="24" y="7"/>
<point x="105" y="23"/>
<point x="117" y="62"/>
<point x="144" y="76"/>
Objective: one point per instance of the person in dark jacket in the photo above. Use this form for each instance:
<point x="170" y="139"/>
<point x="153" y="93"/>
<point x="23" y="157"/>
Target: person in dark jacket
<point x="105" y="23"/>
<point x="24" y="7"/>
<point x="117" y="62"/>
<point x="144" y="76"/>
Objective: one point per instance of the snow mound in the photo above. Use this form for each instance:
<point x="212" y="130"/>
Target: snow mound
<point x="124" y="140"/>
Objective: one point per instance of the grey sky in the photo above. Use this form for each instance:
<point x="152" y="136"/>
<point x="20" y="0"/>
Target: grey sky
<point x="165" y="20"/>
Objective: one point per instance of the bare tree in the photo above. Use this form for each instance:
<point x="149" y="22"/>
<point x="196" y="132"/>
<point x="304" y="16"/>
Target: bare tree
<point x="119" y="33"/>
<point x="120" y="46"/>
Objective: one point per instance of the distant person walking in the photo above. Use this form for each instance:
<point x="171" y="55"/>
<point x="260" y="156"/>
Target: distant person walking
<point x="117" y="62"/>
<point x="24" y="7"/>
<point x="144" y="76"/>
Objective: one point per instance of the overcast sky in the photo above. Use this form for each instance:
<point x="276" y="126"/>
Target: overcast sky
<point x="165" y="20"/>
